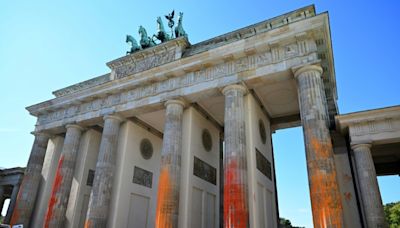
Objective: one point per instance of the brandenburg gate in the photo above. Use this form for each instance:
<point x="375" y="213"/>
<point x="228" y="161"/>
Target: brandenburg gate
<point x="179" y="135"/>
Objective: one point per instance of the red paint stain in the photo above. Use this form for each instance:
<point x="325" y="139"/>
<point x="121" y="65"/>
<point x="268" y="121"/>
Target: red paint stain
<point x="56" y="187"/>
<point x="347" y="196"/>
<point x="164" y="197"/>
<point x="325" y="196"/>
<point x="235" y="202"/>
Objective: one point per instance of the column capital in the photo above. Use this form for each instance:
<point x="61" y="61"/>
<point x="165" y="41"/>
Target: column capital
<point x="228" y="88"/>
<point x="307" y="68"/>
<point x="114" y="117"/>
<point x="355" y="146"/>
<point x="76" y="126"/>
<point x="42" y="134"/>
<point x="175" y="101"/>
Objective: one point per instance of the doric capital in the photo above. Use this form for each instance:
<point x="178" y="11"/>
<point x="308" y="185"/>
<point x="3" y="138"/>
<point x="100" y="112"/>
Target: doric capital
<point x="308" y="68"/>
<point x="76" y="126"/>
<point x="114" y="117"/>
<point x="234" y="87"/>
<point x="175" y="101"/>
<point x="40" y="134"/>
<point x="364" y="145"/>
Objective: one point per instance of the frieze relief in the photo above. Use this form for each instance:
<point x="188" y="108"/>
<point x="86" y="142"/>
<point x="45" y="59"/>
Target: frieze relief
<point x="207" y="74"/>
<point x="374" y="127"/>
<point x="130" y="67"/>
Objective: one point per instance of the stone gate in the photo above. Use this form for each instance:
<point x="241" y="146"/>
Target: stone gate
<point x="179" y="135"/>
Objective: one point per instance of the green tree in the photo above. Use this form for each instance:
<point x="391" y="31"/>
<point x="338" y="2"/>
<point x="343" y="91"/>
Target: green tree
<point x="392" y="214"/>
<point x="285" y="223"/>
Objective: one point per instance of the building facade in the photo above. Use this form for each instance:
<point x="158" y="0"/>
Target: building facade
<point x="179" y="135"/>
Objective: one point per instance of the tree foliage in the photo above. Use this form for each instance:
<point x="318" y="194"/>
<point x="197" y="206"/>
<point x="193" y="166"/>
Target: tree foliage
<point x="285" y="223"/>
<point x="392" y="214"/>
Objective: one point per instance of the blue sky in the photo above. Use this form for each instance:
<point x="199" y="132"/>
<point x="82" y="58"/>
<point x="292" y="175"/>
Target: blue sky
<point x="48" y="45"/>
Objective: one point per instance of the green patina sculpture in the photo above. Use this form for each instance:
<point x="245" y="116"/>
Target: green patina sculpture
<point x="133" y="43"/>
<point x="179" y="31"/>
<point x="145" y="41"/>
<point x="171" y="22"/>
<point x="161" y="34"/>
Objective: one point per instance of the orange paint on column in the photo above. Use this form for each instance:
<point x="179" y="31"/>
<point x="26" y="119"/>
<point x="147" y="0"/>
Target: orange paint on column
<point x="56" y="186"/>
<point x="164" y="198"/>
<point x="87" y="223"/>
<point x="235" y="202"/>
<point x="15" y="215"/>
<point x="327" y="208"/>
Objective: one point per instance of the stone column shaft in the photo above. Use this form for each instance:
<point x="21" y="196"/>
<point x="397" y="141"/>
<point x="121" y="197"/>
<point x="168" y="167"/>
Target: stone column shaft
<point x="30" y="184"/>
<point x="1" y="197"/>
<point x="236" y="208"/>
<point x="168" y="188"/>
<point x="370" y="194"/>
<point x="13" y="200"/>
<point x="324" y="188"/>
<point x="55" y="215"/>
<point x="99" y="203"/>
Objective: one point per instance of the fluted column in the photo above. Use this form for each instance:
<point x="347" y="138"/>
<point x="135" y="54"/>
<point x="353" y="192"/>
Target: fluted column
<point x="1" y="197"/>
<point x="55" y="215"/>
<point x="370" y="194"/>
<point x="30" y="184"/>
<point x="99" y="203"/>
<point x="170" y="173"/>
<point x="324" y="189"/>
<point x="13" y="200"/>
<point x="236" y="208"/>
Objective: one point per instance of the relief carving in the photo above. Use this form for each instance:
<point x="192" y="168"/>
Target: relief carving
<point x="130" y="66"/>
<point x="203" y="75"/>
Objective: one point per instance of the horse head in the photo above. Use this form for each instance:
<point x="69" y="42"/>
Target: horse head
<point x="160" y="24"/>
<point x="180" y="17"/>
<point x="128" y="38"/>
<point x="159" y="21"/>
<point x="142" y="31"/>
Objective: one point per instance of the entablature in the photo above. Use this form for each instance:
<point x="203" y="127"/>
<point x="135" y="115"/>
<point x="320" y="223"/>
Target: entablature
<point x="272" y="51"/>
<point x="378" y="126"/>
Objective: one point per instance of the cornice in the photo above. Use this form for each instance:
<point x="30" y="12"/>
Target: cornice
<point x="181" y="66"/>
<point x="344" y="121"/>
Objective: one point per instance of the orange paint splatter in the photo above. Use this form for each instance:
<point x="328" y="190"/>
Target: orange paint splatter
<point x="235" y="203"/>
<point x="325" y="196"/>
<point x="164" y="197"/>
<point x="56" y="187"/>
<point x="87" y="223"/>
<point x="15" y="215"/>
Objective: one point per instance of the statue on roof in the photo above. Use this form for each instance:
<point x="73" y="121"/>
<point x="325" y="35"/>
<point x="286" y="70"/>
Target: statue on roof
<point x="161" y="34"/>
<point x="179" y="31"/>
<point x="170" y="18"/>
<point x="145" y="41"/>
<point x="133" y="43"/>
